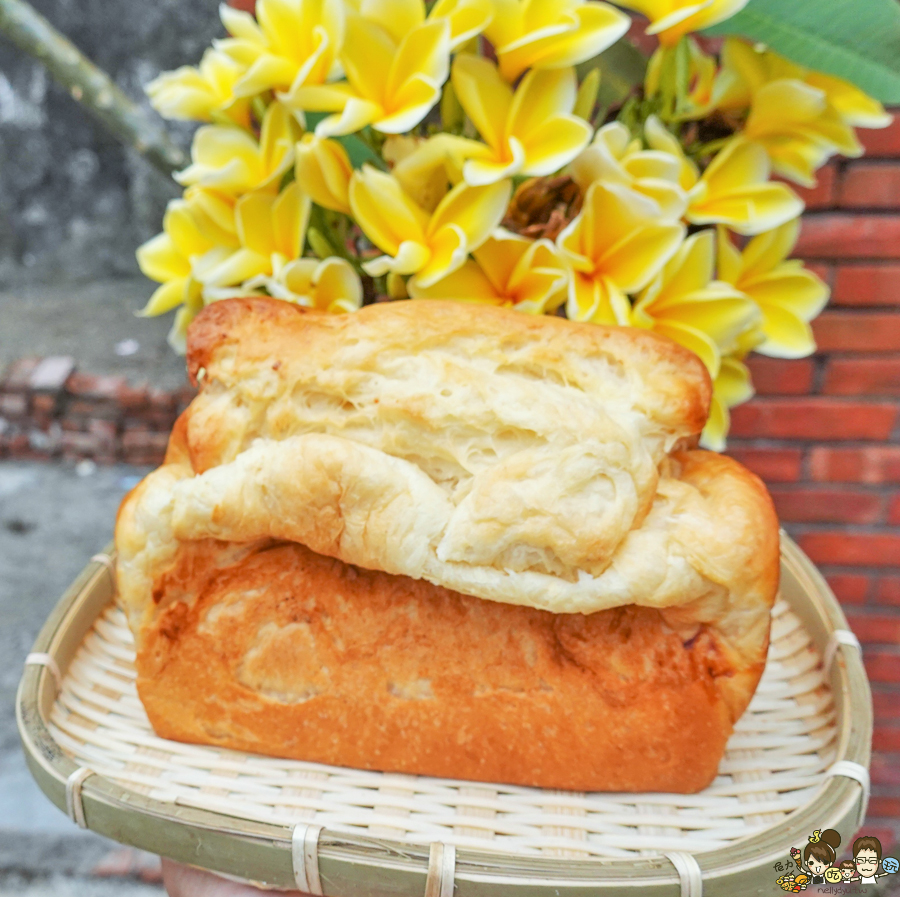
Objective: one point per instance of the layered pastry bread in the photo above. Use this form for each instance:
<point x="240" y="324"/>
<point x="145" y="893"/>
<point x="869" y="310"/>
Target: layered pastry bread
<point x="449" y="539"/>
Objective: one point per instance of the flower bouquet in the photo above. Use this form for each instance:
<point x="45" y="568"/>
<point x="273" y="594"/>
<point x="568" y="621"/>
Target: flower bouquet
<point x="513" y="152"/>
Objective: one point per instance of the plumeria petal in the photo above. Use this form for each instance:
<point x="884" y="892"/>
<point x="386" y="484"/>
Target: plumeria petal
<point x="330" y="285"/>
<point x="231" y="160"/>
<point x="415" y="99"/>
<point x="468" y="283"/>
<point x="355" y="115"/>
<point x="551" y="33"/>
<point x="802" y="118"/>
<point x="384" y="211"/>
<point x="485" y="97"/>
<point x="531" y="132"/>
<point x="449" y="250"/>
<point x="788" y="295"/>
<point x="672" y="19"/>
<point x="428" y="168"/>
<point x="396" y="17"/>
<point x="768" y="250"/>
<point x="467" y="18"/>
<point x="693" y="338"/>
<point x="323" y="170"/>
<point x="423" y="51"/>
<point x="203" y="93"/>
<point x="391" y="86"/>
<point x="737" y="192"/>
<point x="786" y="334"/>
<point x="160" y="259"/>
<point x="266" y="72"/>
<point x="293" y="42"/>
<point x="796" y="289"/>
<point x="165" y="297"/>
<point x="684" y="303"/>
<point x="614" y="157"/>
<point x="508" y="270"/>
<point x="854" y="107"/>
<point x="634" y="261"/>
<point x="411" y="256"/>
<point x="554" y="144"/>
<point x="541" y="95"/>
<point x="597" y="299"/>
<point x="479" y="171"/>
<point x="476" y="211"/>
<point x="235" y="268"/>
<point x="240" y="24"/>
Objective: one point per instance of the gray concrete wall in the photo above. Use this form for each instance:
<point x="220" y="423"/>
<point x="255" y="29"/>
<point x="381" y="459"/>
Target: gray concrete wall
<point x="74" y="204"/>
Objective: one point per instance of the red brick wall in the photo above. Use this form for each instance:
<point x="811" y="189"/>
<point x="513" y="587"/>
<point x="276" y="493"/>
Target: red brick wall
<point x="824" y="433"/>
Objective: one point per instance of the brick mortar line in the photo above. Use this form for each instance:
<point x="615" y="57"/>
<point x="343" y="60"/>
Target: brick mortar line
<point x="48" y="410"/>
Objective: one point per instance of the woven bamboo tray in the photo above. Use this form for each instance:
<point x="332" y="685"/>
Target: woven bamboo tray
<point x="796" y="762"/>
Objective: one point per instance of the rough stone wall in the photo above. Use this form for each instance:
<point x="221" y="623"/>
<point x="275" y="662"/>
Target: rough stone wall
<point x="74" y="203"/>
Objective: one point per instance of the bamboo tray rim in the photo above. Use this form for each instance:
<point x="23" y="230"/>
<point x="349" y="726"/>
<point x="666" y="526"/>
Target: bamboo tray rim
<point x="263" y="851"/>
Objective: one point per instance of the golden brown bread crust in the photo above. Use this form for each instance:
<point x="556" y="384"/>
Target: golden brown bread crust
<point x="283" y="652"/>
<point x="334" y="433"/>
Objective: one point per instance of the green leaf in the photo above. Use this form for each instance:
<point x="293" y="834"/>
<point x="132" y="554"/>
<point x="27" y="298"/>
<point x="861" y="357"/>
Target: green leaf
<point x="857" y="40"/>
<point x="359" y="152"/>
<point x="622" y="68"/>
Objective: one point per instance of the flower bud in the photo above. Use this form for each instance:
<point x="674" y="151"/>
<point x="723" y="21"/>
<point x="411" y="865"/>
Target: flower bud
<point x="323" y="171"/>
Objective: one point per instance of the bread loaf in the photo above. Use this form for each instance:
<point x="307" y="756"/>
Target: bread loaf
<point x="449" y="539"/>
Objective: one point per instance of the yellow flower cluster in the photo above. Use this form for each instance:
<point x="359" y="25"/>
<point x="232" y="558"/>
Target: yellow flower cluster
<point x="361" y="149"/>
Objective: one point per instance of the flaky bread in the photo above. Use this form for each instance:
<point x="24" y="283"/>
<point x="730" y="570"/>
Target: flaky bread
<point x="517" y="459"/>
<point x="306" y="574"/>
<point x="281" y="651"/>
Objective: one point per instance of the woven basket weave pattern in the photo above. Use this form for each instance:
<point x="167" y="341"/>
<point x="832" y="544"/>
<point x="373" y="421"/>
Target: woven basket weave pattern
<point x="775" y="763"/>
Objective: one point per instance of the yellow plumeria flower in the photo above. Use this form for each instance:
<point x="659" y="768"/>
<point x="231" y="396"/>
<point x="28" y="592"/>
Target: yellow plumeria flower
<point x="687" y="305"/>
<point x="703" y="68"/>
<point x="528" y="275"/>
<point x="531" y="131"/>
<point x="214" y="214"/>
<point x="172" y="257"/>
<point x="205" y="93"/>
<point x="391" y="85"/>
<point x="551" y="33"/>
<point x="271" y="230"/>
<point x="731" y="387"/>
<point x="617" y="245"/>
<point x="288" y="44"/>
<point x="431" y="246"/>
<point x="670" y="20"/>
<point x="466" y="18"/>
<point x="231" y="160"/>
<point x="735" y="189"/>
<point x="802" y="118"/>
<point x="330" y="284"/>
<point x="323" y="169"/>
<point x="788" y="294"/>
<point x="615" y="158"/>
<point x="427" y="169"/>
<point x="167" y="257"/>
<point x="854" y="107"/>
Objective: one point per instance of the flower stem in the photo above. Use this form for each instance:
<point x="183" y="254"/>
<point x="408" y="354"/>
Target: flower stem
<point x="89" y="85"/>
<point x="319" y="221"/>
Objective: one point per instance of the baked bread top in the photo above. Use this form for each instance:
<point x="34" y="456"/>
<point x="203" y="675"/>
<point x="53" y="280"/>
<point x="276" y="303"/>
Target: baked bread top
<point x="527" y="460"/>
